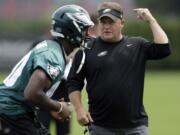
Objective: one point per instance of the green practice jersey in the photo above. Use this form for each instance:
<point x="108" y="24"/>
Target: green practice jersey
<point x="47" y="55"/>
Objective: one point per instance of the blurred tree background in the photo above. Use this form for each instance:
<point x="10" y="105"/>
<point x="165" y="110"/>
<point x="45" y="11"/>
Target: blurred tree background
<point x="29" y="20"/>
<point x="168" y="7"/>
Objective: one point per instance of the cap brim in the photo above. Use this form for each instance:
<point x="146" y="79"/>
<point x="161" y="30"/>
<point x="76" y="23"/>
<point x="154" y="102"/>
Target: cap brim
<point x="112" y="17"/>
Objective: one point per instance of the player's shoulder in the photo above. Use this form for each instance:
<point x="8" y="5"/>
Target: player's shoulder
<point x="48" y="50"/>
<point x="46" y="47"/>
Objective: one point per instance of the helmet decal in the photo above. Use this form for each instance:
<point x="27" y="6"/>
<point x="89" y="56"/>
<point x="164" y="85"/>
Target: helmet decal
<point x="77" y="26"/>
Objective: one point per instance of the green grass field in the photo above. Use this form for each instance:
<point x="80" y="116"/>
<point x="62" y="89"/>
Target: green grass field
<point x="162" y="103"/>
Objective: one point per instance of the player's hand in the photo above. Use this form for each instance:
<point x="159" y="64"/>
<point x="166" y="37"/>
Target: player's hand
<point x="144" y="14"/>
<point x="83" y="117"/>
<point x="66" y="110"/>
<point x="64" y="114"/>
<point x="55" y="115"/>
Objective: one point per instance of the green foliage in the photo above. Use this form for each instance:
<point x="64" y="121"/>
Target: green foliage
<point x="15" y="29"/>
<point x="169" y="7"/>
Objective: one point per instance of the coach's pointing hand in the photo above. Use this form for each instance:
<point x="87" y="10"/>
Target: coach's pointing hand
<point x="144" y="14"/>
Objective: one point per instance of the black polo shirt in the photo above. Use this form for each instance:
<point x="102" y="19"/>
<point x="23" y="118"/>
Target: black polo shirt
<point x="115" y="79"/>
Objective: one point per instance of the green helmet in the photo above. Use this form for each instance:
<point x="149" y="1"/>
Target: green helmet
<point x="70" y="22"/>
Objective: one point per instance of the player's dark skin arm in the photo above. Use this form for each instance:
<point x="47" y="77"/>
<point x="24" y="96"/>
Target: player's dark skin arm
<point x="35" y="91"/>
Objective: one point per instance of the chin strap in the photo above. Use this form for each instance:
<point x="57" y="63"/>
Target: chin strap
<point x="82" y="62"/>
<point x="83" y="53"/>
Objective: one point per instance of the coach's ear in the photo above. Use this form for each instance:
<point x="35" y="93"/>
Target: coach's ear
<point x="121" y="23"/>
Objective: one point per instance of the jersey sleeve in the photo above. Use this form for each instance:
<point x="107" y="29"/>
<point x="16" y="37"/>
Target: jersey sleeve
<point x="46" y="60"/>
<point x="75" y="80"/>
<point x="155" y="51"/>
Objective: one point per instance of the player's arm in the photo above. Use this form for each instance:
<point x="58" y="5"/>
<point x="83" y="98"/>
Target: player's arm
<point x="35" y="92"/>
<point x="159" y="35"/>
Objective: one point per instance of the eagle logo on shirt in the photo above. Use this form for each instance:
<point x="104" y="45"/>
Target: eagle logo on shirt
<point x="102" y="53"/>
<point x="53" y="71"/>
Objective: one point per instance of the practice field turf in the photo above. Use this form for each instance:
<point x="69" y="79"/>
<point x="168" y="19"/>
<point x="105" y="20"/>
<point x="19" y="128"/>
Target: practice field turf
<point x="162" y="103"/>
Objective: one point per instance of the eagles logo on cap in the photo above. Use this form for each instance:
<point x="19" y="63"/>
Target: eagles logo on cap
<point x="106" y="10"/>
<point x="111" y="13"/>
